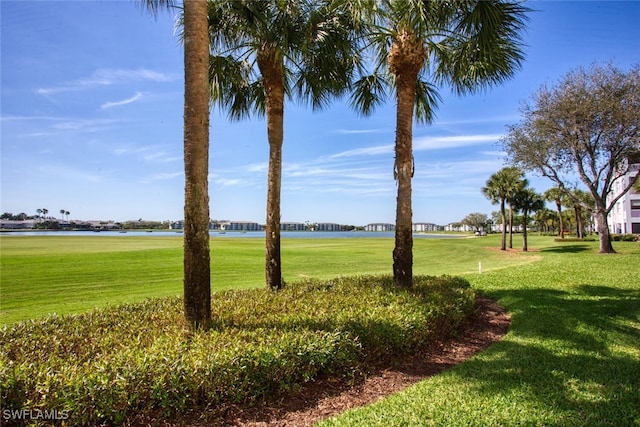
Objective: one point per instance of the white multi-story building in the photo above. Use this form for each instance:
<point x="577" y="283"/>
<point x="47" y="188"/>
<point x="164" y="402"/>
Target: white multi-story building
<point x="624" y="218"/>
<point x="379" y="227"/>
<point x="425" y="226"/>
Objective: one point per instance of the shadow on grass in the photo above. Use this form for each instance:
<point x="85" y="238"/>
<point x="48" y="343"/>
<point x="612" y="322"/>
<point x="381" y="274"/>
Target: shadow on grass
<point x="573" y="355"/>
<point x="568" y="248"/>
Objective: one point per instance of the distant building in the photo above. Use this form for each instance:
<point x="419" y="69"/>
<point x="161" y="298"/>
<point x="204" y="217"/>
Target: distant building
<point x="425" y="226"/>
<point x="624" y="218"/>
<point x="293" y="226"/>
<point x="242" y="226"/>
<point x="379" y="227"/>
<point x="17" y="225"/>
<point x="328" y="226"/>
<point x="456" y="226"/>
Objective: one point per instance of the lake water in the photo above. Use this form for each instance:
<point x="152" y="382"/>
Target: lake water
<point x="235" y="234"/>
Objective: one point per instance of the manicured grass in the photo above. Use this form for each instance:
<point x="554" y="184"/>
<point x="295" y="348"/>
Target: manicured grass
<point x="71" y="274"/>
<point x="571" y="357"/>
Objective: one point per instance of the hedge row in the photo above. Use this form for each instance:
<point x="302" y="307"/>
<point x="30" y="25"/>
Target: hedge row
<point x="113" y="365"/>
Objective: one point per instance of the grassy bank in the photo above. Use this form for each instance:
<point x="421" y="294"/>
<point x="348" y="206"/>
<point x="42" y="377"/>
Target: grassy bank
<point x="571" y="357"/>
<point x="68" y="274"/>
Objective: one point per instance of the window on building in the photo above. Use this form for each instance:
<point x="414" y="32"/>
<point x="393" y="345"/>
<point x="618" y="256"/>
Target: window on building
<point x="635" y="204"/>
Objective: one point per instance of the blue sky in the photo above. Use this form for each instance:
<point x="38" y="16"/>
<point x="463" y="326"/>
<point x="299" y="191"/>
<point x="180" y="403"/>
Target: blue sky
<point x="91" y="116"/>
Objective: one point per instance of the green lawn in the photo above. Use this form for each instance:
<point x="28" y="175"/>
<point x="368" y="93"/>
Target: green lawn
<point x="571" y="357"/>
<point x="71" y="274"/>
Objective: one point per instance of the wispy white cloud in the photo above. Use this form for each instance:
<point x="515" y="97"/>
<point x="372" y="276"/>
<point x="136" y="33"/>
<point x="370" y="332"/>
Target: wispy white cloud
<point x="108" y="77"/>
<point x="365" y="151"/>
<point x="225" y="182"/>
<point x="358" y="131"/>
<point x="84" y="125"/>
<point x="130" y="100"/>
<point x="258" y="167"/>
<point x="164" y="176"/>
<point x="64" y="173"/>
<point x="424" y="143"/>
<point x="161" y="156"/>
<point x="442" y="142"/>
<point x="481" y="120"/>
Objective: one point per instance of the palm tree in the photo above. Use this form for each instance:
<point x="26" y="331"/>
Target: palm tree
<point x="517" y="185"/>
<point x="67" y="213"/>
<point x="580" y="200"/>
<point x="197" y="269"/>
<point x="527" y="201"/>
<point x="62" y="211"/>
<point x="467" y="44"/>
<point x="500" y="188"/>
<point x="266" y="51"/>
<point x="556" y="195"/>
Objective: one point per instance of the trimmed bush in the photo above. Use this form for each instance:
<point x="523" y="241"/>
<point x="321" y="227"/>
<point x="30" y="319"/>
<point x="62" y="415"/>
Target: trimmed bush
<point x="625" y="237"/>
<point x="111" y="365"/>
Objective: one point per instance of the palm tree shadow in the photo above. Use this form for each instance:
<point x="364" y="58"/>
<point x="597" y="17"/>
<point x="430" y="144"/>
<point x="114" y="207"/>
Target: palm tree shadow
<point x="568" y="249"/>
<point x="559" y="352"/>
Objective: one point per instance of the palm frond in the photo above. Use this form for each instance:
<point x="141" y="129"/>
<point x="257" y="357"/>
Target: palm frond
<point x="427" y="100"/>
<point x="484" y="46"/>
<point x="368" y="93"/>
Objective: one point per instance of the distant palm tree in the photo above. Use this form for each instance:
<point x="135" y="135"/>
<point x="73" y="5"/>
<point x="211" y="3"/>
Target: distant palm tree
<point x="266" y="51"/>
<point x="580" y="201"/>
<point x="197" y="268"/>
<point x="67" y="213"/>
<point x="501" y="188"/>
<point x="467" y="44"/>
<point x="527" y="201"/>
<point x="62" y="211"/>
<point x="556" y="195"/>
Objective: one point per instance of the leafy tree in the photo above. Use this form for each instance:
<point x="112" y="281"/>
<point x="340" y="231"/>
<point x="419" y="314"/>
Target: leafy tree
<point x="527" y="201"/>
<point x="556" y="195"/>
<point x="476" y="220"/>
<point x="469" y="45"/>
<point x="500" y="189"/>
<point x="197" y="270"/>
<point x="585" y="126"/>
<point x="266" y="51"/>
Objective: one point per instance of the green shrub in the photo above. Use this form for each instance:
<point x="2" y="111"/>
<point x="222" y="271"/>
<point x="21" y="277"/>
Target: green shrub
<point x="110" y="365"/>
<point x="625" y="237"/>
<point x="574" y="239"/>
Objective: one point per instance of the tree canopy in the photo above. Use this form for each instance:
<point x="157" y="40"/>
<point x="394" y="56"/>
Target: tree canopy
<point x="585" y="128"/>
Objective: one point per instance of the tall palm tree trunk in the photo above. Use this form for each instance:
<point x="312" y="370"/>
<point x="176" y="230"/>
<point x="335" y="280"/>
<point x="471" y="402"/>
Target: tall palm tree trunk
<point x="272" y="73"/>
<point x="503" y="241"/>
<point x="406" y="57"/>
<point x="197" y="279"/>
<point x="525" y="246"/>
<point x="559" y="207"/>
<point x="510" y="226"/>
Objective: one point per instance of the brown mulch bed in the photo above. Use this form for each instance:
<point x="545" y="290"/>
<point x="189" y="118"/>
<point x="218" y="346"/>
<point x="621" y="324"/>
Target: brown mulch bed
<point x="326" y="398"/>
